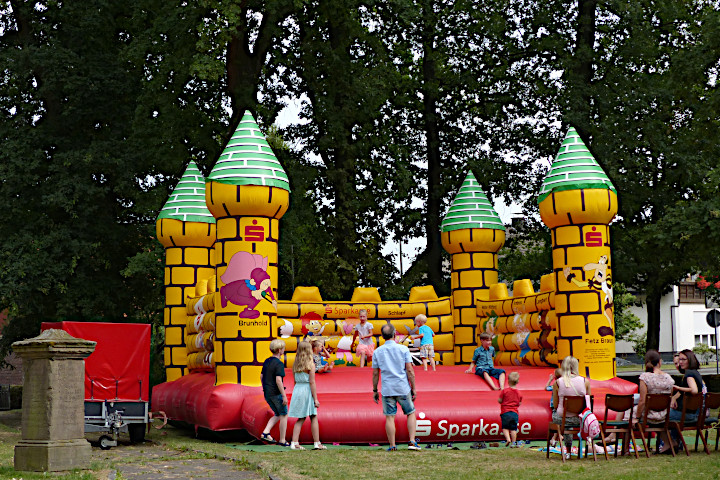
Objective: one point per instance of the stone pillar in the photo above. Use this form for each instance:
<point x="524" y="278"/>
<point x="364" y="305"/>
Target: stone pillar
<point x="53" y="404"/>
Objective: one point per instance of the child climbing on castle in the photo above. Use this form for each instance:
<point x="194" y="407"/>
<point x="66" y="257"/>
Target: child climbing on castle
<point x="427" y="348"/>
<point x="482" y="363"/>
<point x="366" y="344"/>
<point x="321" y="356"/>
<point x="304" y="402"/>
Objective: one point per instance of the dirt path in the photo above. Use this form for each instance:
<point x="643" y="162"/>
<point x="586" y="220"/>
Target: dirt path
<point x="146" y="461"/>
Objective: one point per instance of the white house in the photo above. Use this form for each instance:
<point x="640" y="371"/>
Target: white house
<point x="682" y="320"/>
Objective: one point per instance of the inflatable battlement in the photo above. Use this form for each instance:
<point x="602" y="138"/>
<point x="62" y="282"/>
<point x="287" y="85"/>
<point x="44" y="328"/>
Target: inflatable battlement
<point x="524" y="326"/>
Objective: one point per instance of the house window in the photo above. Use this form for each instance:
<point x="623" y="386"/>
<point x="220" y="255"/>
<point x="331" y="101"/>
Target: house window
<point x="690" y="293"/>
<point x="698" y="339"/>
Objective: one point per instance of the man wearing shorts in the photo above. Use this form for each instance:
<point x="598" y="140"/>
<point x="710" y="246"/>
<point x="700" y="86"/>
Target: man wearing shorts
<point x="366" y="345"/>
<point x="394" y="363"/>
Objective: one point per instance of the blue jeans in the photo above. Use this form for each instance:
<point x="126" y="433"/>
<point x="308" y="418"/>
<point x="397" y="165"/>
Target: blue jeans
<point x="390" y="404"/>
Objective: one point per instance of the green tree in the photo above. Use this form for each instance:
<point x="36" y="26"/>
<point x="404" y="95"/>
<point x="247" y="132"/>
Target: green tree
<point x="640" y="91"/>
<point x="94" y="132"/>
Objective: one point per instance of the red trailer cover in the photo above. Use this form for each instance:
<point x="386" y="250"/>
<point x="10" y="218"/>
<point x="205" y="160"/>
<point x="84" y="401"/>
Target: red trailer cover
<point x="119" y="368"/>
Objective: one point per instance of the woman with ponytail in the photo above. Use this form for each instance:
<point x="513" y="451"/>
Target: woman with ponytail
<point x="653" y="381"/>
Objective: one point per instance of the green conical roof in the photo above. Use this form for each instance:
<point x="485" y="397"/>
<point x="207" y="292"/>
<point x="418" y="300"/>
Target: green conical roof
<point x="249" y="160"/>
<point x="471" y="209"/>
<point x="574" y="168"/>
<point x="187" y="201"/>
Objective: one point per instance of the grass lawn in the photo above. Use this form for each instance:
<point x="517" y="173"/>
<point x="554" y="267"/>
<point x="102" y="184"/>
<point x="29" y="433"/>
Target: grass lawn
<point x="374" y="463"/>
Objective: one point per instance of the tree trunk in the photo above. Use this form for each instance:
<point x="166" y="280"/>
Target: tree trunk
<point x="653" y="321"/>
<point x="432" y="136"/>
<point x="581" y="68"/>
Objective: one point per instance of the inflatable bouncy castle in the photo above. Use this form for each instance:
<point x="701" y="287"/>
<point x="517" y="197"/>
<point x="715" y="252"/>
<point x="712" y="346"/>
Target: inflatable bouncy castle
<point x="221" y="241"/>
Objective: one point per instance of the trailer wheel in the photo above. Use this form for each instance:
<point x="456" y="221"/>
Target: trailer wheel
<point x="137" y="432"/>
<point x="105" y="442"/>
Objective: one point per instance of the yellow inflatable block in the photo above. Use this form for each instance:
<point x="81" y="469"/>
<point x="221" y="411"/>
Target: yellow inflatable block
<point x="306" y="294"/>
<point x="365" y="294"/>
<point x="197" y="256"/>
<point x="547" y="283"/>
<point x="498" y="291"/>
<point x="422" y="294"/>
<point x="523" y="288"/>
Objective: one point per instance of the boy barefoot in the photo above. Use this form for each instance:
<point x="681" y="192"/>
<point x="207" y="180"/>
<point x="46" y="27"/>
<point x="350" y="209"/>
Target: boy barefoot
<point x="510" y="400"/>
<point x="427" y="348"/>
<point x="482" y="363"/>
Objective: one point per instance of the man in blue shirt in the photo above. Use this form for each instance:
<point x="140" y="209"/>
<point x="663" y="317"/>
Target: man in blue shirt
<point x="482" y="363"/>
<point x="394" y="362"/>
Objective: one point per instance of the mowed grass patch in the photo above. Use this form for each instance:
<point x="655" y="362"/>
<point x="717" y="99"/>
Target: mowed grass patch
<point x="523" y="463"/>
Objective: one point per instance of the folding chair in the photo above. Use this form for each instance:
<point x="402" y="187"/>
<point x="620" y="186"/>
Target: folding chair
<point x="691" y="402"/>
<point x="619" y="404"/>
<point x="571" y="405"/>
<point x="657" y="402"/>
<point x="712" y="402"/>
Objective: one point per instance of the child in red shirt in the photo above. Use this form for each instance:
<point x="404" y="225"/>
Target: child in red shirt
<point x="510" y="400"/>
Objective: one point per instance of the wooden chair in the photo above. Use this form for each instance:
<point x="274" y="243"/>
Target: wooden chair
<point x="691" y="402"/>
<point x="571" y="405"/>
<point x="618" y="404"/>
<point x="657" y="402"/>
<point x="710" y="422"/>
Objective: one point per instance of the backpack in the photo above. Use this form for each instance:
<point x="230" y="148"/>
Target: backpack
<point x="589" y="425"/>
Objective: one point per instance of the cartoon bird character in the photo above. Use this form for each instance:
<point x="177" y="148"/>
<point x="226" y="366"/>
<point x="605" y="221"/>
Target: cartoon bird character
<point x="598" y="281"/>
<point x="247" y="283"/>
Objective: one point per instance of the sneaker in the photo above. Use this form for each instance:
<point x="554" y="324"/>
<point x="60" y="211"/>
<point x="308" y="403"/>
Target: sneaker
<point x="567" y="456"/>
<point x="413" y="445"/>
<point x="482" y="445"/>
<point x="553" y="442"/>
<point x="392" y="449"/>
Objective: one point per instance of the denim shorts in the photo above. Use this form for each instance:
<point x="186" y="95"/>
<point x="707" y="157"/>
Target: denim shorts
<point x="509" y="420"/>
<point x="493" y="372"/>
<point x="390" y="404"/>
<point x="276" y="405"/>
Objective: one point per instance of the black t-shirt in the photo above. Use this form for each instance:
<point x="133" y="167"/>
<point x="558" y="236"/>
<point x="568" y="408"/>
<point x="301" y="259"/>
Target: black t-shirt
<point x="272" y="367"/>
<point x="684" y="383"/>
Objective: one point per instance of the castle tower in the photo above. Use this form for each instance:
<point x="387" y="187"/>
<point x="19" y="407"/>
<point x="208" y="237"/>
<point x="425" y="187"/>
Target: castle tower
<point x="577" y="202"/>
<point x="247" y="192"/>
<point x="186" y="229"/>
<point x="472" y="233"/>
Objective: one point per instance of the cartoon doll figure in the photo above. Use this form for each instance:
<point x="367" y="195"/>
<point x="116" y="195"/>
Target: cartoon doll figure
<point x="311" y="326"/>
<point x="247" y="283"/>
<point x="344" y="345"/>
<point x="598" y="281"/>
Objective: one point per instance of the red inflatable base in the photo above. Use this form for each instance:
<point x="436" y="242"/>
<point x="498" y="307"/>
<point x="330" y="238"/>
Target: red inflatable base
<point x="451" y="405"/>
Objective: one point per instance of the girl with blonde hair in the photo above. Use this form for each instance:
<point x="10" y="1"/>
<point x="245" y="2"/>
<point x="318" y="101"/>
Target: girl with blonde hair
<point x="569" y="384"/>
<point x="304" y="401"/>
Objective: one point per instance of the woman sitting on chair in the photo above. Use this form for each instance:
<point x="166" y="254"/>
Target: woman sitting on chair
<point x="570" y="384"/>
<point x="653" y="381"/>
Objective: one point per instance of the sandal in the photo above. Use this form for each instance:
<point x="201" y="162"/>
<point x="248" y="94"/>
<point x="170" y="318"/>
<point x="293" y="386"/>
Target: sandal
<point x="296" y="446"/>
<point x="319" y="446"/>
<point x="392" y="449"/>
<point x="283" y="444"/>
<point x="267" y="438"/>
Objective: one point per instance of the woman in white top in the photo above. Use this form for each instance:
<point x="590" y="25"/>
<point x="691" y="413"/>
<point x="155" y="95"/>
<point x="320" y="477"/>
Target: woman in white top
<point x="570" y="384"/>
